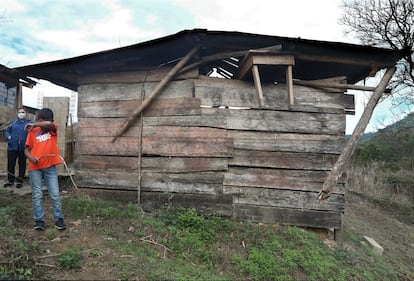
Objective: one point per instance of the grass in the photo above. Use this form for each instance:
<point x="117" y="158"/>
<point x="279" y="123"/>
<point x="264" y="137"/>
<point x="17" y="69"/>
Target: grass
<point x="179" y="244"/>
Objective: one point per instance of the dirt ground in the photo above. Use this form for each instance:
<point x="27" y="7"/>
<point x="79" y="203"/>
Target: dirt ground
<point x="391" y="226"/>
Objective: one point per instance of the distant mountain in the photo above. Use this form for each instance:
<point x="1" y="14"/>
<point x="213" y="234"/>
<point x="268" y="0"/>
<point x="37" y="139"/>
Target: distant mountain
<point x="404" y="125"/>
<point x="394" y="143"/>
<point x="364" y="138"/>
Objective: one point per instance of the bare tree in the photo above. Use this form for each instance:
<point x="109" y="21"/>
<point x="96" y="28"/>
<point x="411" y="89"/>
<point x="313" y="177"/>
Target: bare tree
<point x="390" y="24"/>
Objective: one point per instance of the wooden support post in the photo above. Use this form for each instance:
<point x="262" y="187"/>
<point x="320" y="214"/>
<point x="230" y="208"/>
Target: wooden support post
<point x="254" y="58"/>
<point x="258" y="85"/>
<point x="160" y="86"/>
<point x="19" y="96"/>
<point x="351" y="145"/>
<point x="289" y="84"/>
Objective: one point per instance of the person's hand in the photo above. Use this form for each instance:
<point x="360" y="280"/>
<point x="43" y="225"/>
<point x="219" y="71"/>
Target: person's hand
<point x="29" y="127"/>
<point x="34" y="160"/>
<point x="9" y="137"/>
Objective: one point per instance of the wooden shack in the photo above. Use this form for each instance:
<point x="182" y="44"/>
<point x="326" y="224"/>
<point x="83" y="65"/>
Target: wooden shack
<point x="241" y="125"/>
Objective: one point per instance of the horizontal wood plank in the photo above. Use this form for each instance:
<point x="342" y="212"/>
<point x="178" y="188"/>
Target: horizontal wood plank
<point x="128" y="146"/>
<point x="276" y="178"/>
<point x="183" y="164"/>
<point x="109" y="92"/>
<point x="106" y="162"/>
<point x="151" y="75"/>
<point x="189" y="121"/>
<point x="195" y="182"/>
<point x="206" y="204"/>
<point x="286" y="142"/>
<point x="285" y="160"/>
<point x="191" y="147"/>
<point x="283" y="198"/>
<point x="279" y="121"/>
<point x="153" y="164"/>
<point x="285" y="216"/>
<point x="124" y="108"/>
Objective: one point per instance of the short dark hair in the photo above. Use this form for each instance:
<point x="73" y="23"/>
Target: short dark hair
<point x="45" y="114"/>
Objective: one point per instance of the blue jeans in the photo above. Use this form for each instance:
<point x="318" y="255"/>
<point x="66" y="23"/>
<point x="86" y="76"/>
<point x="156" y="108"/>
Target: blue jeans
<point x="50" y="176"/>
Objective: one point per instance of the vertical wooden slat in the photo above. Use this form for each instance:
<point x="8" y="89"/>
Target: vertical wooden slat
<point x="289" y="83"/>
<point x="258" y="84"/>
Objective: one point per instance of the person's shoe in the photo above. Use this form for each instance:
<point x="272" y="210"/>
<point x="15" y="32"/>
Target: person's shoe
<point x="59" y="224"/>
<point x="19" y="185"/>
<point x="39" y="225"/>
<point x="7" y="184"/>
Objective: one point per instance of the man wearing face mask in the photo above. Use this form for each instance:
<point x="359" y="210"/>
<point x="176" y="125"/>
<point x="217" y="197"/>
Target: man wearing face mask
<point x="16" y="140"/>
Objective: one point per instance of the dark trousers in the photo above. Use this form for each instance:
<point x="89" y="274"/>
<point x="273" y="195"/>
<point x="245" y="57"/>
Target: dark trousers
<point x="12" y="157"/>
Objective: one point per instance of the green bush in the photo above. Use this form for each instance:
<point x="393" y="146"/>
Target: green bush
<point x="71" y="259"/>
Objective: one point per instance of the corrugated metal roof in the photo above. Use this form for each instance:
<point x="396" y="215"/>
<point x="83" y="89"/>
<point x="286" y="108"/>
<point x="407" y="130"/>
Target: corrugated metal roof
<point x="313" y="59"/>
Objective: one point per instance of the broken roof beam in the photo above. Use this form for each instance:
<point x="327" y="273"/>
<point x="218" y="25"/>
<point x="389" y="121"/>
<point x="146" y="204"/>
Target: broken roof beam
<point x="226" y="55"/>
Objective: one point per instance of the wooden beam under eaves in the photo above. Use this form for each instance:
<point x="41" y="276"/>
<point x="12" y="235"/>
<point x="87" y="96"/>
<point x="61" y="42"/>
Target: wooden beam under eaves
<point x="323" y="84"/>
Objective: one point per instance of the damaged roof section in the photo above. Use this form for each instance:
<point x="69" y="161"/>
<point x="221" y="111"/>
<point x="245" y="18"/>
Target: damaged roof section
<point x="11" y="77"/>
<point x="222" y="52"/>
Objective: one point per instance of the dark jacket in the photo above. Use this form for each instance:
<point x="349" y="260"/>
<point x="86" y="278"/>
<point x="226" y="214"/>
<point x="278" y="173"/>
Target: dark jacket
<point x="17" y="134"/>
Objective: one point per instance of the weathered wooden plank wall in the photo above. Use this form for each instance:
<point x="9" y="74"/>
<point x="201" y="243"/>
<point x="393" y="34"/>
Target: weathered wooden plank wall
<point x="209" y="137"/>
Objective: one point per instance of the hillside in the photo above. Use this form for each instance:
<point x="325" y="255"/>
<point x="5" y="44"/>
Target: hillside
<point x="109" y="240"/>
<point x="112" y="241"/>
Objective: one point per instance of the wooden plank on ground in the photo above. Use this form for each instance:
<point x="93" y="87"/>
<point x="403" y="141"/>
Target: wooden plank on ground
<point x="297" y="217"/>
<point x="285" y="160"/>
<point x="123" y="108"/>
<point x="109" y="92"/>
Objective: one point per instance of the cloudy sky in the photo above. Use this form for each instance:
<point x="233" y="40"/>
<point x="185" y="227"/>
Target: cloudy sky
<point x="36" y="31"/>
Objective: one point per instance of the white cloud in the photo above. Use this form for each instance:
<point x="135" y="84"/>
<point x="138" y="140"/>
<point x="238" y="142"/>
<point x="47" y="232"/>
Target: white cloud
<point x="52" y="30"/>
<point x="317" y="19"/>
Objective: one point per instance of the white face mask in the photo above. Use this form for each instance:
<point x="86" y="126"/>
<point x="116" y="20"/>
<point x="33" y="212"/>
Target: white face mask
<point x="21" y="115"/>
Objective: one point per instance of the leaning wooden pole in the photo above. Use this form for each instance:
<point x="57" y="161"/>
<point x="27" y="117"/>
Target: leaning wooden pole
<point x="351" y="145"/>
<point x="160" y="86"/>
